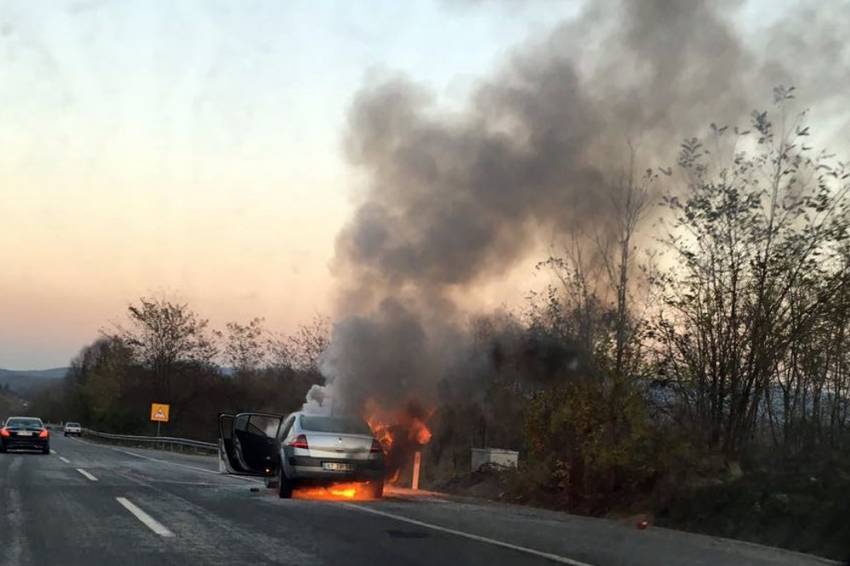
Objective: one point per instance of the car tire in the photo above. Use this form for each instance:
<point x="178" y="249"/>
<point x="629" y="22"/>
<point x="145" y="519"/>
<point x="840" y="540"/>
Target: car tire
<point x="377" y="489"/>
<point x="284" y="485"/>
<point x="66" y="435"/>
<point x="46" y="450"/>
<point x="2" y="449"/>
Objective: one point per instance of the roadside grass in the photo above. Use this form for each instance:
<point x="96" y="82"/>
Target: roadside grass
<point x="795" y="504"/>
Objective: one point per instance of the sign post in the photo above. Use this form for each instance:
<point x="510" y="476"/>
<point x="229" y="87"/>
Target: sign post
<point x="159" y="414"/>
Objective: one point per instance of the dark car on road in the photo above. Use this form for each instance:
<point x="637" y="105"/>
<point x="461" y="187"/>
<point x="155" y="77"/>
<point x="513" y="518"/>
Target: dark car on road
<point x="24" y="433"/>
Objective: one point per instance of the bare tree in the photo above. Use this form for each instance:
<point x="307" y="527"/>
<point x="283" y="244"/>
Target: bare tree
<point x="164" y="335"/>
<point x="302" y="349"/>
<point x="596" y="270"/>
<point x="630" y="197"/>
<point x="243" y="346"/>
<point x="594" y="309"/>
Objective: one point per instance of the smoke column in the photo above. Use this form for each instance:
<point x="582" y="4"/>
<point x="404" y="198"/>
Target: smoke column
<point x="455" y="200"/>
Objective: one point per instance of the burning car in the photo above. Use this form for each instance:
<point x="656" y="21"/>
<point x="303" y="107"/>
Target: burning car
<point x="336" y="452"/>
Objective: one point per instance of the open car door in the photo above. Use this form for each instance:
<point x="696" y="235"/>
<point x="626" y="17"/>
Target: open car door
<point x="248" y="443"/>
<point x="226" y="455"/>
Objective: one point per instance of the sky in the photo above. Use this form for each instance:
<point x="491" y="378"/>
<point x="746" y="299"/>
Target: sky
<point x="194" y="149"/>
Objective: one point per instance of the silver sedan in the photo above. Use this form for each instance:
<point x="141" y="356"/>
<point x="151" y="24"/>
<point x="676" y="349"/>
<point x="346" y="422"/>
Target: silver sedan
<point x="301" y="449"/>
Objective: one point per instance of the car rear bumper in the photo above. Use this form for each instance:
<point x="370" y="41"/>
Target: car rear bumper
<point x="25" y="443"/>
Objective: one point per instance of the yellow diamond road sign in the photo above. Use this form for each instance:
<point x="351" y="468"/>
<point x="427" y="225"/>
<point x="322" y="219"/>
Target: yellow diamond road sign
<point x="159" y="412"/>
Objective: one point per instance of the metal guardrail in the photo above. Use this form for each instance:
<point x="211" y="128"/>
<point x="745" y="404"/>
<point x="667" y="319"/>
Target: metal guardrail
<point x="157" y="441"/>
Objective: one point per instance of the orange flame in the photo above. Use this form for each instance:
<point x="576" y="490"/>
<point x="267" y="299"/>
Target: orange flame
<point x="420" y="431"/>
<point x="381" y="430"/>
<point x="385" y="423"/>
<point x="335" y="492"/>
<point x="403" y="427"/>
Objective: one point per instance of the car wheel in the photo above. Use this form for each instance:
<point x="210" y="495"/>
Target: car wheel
<point x="284" y="485"/>
<point x="66" y="434"/>
<point x="2" y="449"/>
<point x="377" y="489"/>
<point x="46" y="450"/>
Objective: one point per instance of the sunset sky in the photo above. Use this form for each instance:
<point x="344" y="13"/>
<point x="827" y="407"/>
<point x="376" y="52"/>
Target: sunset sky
<point x="194" y="149"/>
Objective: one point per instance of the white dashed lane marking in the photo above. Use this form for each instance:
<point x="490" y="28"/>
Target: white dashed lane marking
<point x="146" y="519"/>
<point x="86" y="474"/>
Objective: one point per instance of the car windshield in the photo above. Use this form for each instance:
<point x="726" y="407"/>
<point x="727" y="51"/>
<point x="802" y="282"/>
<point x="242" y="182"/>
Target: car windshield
<point x="340" y="425"/>
<point x="73" y="425"/>
<point x="24" y="423"/>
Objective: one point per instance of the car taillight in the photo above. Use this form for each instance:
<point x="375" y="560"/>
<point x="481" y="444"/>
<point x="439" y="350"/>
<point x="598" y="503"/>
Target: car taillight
<point x="4" y="432"/>
<point x="300" y="442"/>
<point x="43" y="434"/>
<point x="376" y="447"/>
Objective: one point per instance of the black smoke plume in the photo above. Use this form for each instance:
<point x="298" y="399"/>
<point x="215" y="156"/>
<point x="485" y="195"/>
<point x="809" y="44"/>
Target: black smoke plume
<point x="455" y="200"/>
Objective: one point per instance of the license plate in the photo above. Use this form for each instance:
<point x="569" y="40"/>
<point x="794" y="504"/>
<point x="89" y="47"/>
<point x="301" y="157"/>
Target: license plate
<point x="24" y="433"/>
<point x="337" y="467"/>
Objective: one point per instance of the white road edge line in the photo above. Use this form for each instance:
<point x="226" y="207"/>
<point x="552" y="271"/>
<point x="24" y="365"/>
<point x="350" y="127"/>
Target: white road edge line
<point x="66" y="460"/>
<point x="146" y="519"/>
<point x="52" y="451"/>
<point x="526" y="550"/>
<point x="86" y="474"/>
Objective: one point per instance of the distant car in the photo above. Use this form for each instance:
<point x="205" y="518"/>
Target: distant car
<point x="302" y="449"/>
<point x="24" y="433"/>
<point x="72" y="429"/>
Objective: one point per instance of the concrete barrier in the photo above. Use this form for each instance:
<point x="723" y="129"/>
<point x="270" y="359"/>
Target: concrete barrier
<point x="494" y="457"/>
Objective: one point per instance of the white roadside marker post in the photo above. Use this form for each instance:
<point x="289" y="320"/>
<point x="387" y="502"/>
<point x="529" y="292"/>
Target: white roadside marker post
<point x="417" y="460"/>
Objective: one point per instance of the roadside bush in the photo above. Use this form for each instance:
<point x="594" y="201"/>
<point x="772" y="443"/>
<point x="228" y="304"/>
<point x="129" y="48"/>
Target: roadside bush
<point x="595" y="442"/>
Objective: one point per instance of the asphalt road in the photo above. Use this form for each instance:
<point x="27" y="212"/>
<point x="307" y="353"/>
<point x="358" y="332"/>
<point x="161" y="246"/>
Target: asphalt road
<point x="93" y="504"/>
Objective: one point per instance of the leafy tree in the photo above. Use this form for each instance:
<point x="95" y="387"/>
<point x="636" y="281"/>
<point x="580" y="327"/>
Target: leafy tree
<point x="755" y="267"/>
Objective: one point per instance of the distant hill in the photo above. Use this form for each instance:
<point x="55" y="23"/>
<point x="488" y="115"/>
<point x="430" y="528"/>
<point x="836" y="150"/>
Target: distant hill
<point x="52" y="373"/>
<point x="27" y="383"/>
